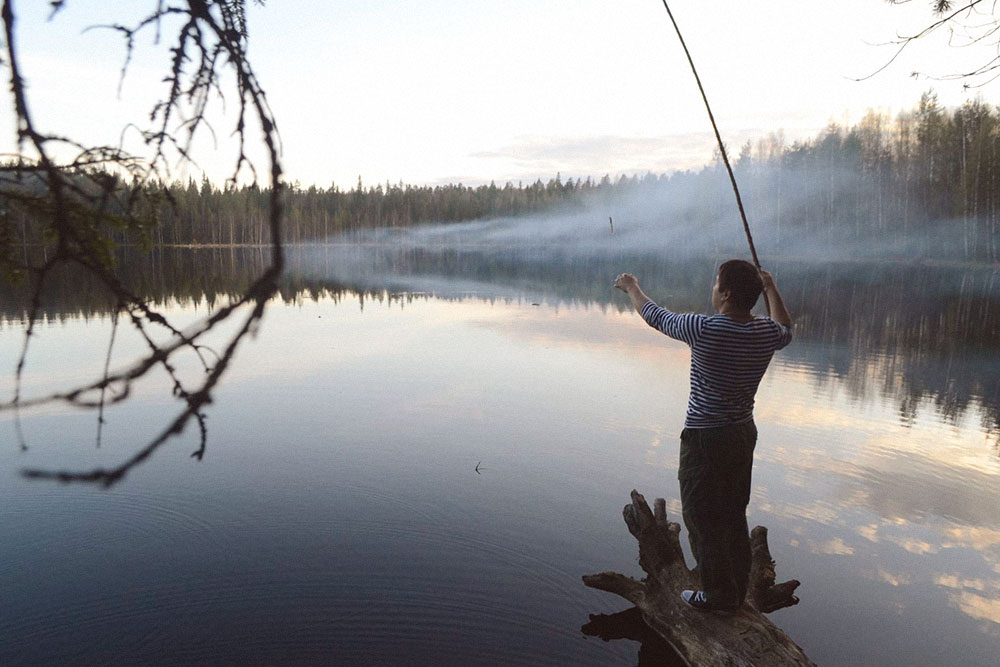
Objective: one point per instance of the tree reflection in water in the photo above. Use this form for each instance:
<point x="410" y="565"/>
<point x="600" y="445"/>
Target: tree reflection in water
<point x="916" y="333"/>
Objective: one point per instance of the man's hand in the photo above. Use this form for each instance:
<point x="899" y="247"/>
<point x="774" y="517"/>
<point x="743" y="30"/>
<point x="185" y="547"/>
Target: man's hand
<point x="767" y="279"/>
<point x="779" y="313"/>
<point x="626" y="281"/>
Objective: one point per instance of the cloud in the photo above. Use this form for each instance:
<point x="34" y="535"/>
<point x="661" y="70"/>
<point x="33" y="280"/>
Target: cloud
<point x="978" y="538"/>
<point x="952" y="581"/>
<point x="834" y="547"/>
<point x="869" y="532"/>
<point x="819" y="510"/>
<point x="914" y="546"/>
<point x="977" y="606"/>
<point x="925" y="487"/>
<point x="918" y="492"/>
<point x="894" y="579"/>
<point x="613" y="154"/>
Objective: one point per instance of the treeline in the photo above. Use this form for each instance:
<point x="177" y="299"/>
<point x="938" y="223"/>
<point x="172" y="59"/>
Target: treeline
<point x="928" y="180"/>
<point x="204" y="214"/>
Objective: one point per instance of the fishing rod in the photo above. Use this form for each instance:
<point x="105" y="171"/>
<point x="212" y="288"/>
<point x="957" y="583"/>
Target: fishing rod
<point x="722" y="147"/>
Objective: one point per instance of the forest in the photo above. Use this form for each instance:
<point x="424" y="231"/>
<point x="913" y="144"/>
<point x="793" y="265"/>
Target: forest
<point x="929" y="178"/>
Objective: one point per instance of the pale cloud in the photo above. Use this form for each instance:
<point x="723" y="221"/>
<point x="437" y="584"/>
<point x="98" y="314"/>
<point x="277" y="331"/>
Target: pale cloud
<point x="661" y="457"/>
<point x="972" y="536"/>
<point x="833" y="547"/>
<point x="915" y="546"/>
<point x="977" y="606"/>
<point x="953" y="581"/>
<point x="821" y="416"/>
<point x="585" y="329"/>
<point x="819" y="511"/>
<point x="610" y="154"/>
<point x="674" y="507"/>
<point x="873" y="481"/>
<point x="899" y="579"/>
<point x="869" y="532"/>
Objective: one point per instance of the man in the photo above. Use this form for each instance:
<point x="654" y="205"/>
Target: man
<point x="729" y="353"/>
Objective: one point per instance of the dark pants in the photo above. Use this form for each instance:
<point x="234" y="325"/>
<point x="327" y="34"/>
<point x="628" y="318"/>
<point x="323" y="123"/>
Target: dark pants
<point x="715" y="489"/>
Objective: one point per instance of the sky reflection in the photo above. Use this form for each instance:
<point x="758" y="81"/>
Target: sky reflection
<point x="345" y="439"/>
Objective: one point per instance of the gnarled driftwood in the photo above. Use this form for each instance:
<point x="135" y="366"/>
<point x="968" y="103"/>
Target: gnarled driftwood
<point x="738" y="639"/>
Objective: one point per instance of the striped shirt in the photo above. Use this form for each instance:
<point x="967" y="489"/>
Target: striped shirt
<point x="728" y="359"/>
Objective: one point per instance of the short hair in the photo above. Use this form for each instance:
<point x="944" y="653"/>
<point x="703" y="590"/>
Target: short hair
<point x="742" y="280"/>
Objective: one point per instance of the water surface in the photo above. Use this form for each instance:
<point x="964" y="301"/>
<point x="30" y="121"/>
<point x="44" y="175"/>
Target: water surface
<point x="338" y="517"/>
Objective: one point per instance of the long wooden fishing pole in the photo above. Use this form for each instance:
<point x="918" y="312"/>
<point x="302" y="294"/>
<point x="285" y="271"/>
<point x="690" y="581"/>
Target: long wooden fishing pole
<point x="718" y="137"/>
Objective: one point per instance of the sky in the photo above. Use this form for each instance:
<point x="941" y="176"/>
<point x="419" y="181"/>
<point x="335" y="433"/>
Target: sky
<point x="448" y="91"/>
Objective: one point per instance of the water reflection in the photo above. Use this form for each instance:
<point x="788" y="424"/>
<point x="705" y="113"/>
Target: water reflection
<point x="629" y="624"/>
<point x="920" y="334"/>
<point x="339" y="491"/>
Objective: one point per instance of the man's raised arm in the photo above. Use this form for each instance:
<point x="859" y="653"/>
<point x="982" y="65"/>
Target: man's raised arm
<point x="627" y="283"/>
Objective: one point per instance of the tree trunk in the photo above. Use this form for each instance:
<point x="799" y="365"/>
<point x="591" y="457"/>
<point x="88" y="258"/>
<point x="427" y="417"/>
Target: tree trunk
<point x="738" y="639"/>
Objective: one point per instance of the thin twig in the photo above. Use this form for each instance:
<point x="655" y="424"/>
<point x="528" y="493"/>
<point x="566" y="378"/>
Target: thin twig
<point x="107" y="366"/>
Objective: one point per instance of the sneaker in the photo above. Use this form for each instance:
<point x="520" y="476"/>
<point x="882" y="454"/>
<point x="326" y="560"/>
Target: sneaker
<point x="698" y="600"/>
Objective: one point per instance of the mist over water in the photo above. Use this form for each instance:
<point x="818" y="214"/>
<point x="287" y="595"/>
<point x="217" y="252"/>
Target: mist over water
<point x="626" y="226"/>
<point x="650" y="229"/>
<point x="503" y="255"/>
<point x="687" y="216"/>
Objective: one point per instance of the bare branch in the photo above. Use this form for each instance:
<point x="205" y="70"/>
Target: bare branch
<point x="76" y="204"/>
<point x="972" y="24"/>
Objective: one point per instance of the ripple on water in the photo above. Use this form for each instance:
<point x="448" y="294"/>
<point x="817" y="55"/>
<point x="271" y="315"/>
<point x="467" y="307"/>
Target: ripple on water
<point x="310" y="608"/>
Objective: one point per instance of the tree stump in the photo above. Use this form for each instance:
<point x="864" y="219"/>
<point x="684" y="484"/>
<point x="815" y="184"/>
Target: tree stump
<point x="739" y="639"/>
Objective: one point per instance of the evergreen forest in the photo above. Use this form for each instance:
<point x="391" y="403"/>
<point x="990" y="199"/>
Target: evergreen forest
<point x="929" y="178"/>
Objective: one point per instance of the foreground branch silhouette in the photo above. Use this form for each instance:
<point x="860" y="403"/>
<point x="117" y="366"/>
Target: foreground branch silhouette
<point x="973" y="23"/>
<point x="80" y="201"/>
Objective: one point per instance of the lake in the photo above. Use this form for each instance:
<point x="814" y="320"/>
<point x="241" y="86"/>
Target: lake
<point x="422" y="450"/>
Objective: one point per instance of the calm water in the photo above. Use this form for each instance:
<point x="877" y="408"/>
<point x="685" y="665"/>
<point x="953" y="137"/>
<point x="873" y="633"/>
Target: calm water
<point x="338" y="518"/>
